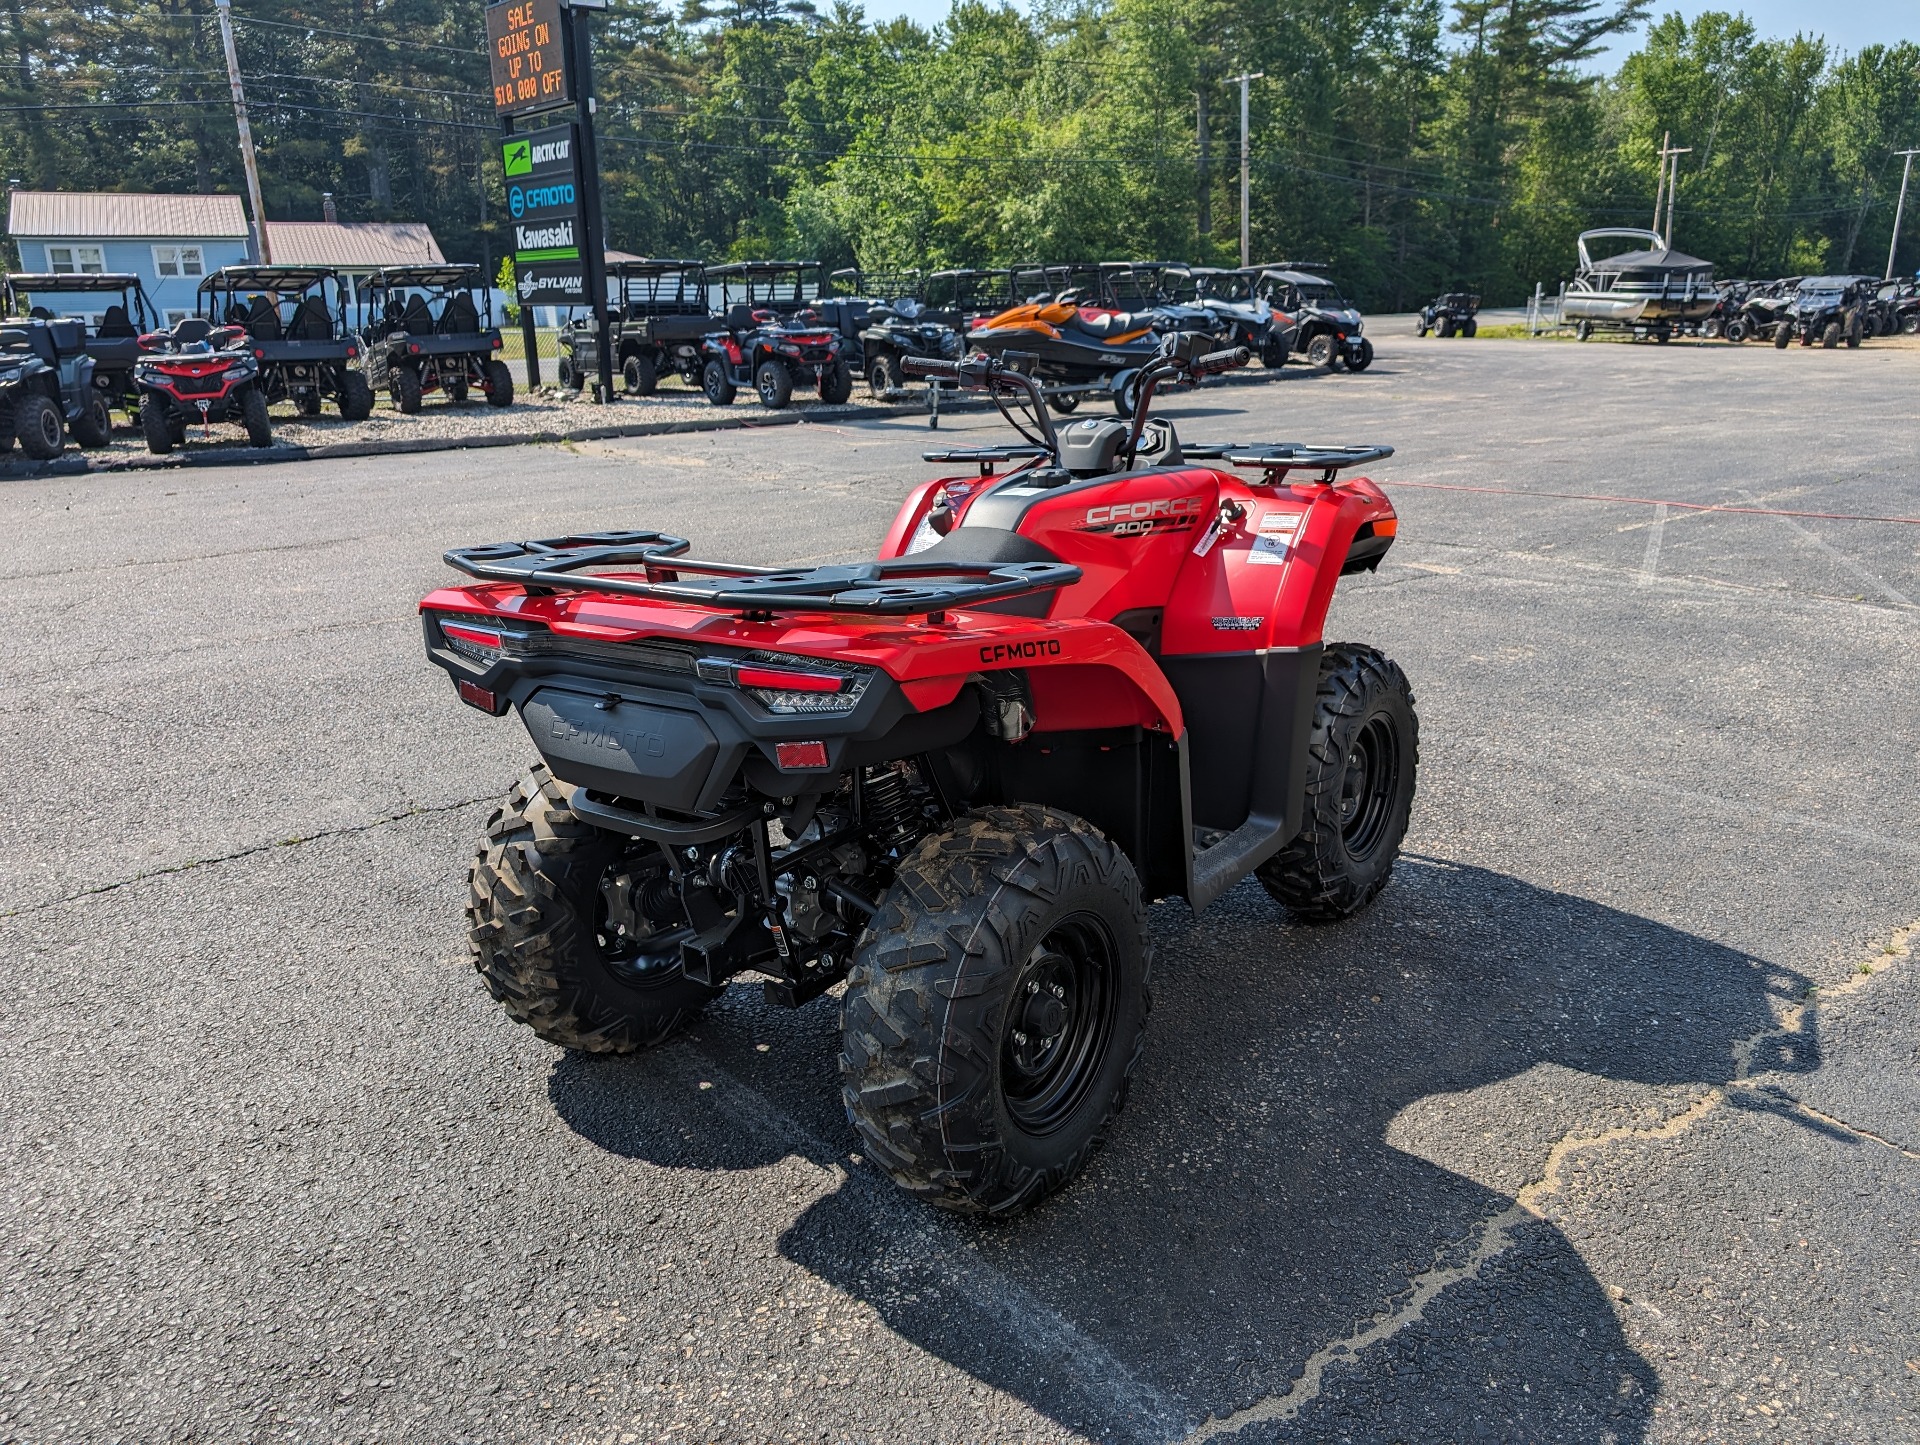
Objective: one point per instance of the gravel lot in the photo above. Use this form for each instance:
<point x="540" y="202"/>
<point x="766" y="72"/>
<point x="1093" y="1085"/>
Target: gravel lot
<point x="1603" y="1125"/>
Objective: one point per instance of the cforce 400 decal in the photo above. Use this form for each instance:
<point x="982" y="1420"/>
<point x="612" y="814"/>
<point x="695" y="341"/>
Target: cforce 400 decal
<point x="1137" y="519"/>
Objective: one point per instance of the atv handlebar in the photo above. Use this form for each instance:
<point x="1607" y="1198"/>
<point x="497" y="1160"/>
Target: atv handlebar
<point x="994" y="375"/>
<point x="1217" y="361"/>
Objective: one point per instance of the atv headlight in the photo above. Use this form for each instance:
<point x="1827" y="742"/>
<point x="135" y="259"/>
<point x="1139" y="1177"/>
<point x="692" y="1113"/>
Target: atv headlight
<point x="951" y="345"/>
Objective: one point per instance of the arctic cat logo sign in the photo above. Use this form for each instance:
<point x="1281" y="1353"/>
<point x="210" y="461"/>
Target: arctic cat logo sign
<point x="516" y="157"/>
<point x="1134" y="519"/>
<point x="1020" y="651"/>
<point x="613" y="740"/>
<point x="547" y="153"/>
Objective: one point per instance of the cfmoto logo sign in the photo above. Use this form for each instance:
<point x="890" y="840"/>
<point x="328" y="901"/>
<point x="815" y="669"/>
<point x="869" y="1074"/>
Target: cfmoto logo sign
<point x="517" y="202"/>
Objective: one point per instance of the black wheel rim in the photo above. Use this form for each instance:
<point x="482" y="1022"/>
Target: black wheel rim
<point x="1061" y="1020"/>
<point x="1368" y="787"/>
<point x="50" y="428"/>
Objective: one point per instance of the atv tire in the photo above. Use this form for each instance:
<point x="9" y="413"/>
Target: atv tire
<point x="1014" y="922"/>
<point x="499" y="384"/>
<point x="253" y="416"/>
<point x="1910" y="325"/>
<point x="1830" y="335"/>
<point x="1273" y="354"/>
<point x="40" y="427"/>
<point x="1736" y="331"/>
<point x="715" y="382"/>
<point x="1445" y="329"/>
<point x="1126" y="395"/>
<point x="1583" y="331"/>
<point x="1782" y="336"/>
<point x="564" y="375"/>
<point x="355" y="398"/>
<point x="884" y="376"/>
<point x="1362" y="755"/>
<point x="1854" y="334"/>
<point x="1064" y="405"/>
<point x="836" y="384"/>
<point x="156" y="425"/>
<point x="533" y="917"/>
<point x="93" y="428"/>
<point x="1362" y="358"/>
<point x="1469" y="327"/>
<point x="774" y="383"/>
<point x="1323" y="352"/>
<point x="6" y="426"/>
<point x="1421" y="330"/>
<point x="639" y="376"/>
<point x="406" y="390"/>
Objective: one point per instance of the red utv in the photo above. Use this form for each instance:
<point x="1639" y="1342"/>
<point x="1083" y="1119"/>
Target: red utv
<point x="1085" y="675"/>
<point x="199" y="373"/>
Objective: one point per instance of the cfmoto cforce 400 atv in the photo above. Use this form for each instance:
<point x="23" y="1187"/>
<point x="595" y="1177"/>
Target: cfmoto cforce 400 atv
<point x="1085" y="675"/>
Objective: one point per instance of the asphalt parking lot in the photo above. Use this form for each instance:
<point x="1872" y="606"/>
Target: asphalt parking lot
<point x="1603" y="1125"/>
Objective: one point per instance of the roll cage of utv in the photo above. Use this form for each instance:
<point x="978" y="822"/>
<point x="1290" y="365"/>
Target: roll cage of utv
<point x="113" y="328"/>
<point x="963" y="296"/>
<point x="426" y="329"/>
<point x="1164" y="290"/>
<point x="298" y="328"/>
<point x="660" y="310"/>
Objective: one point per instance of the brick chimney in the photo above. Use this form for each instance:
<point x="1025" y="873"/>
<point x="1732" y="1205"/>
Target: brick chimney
<point x="327" y="212"/>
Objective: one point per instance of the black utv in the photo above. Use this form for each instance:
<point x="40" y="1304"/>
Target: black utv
<point x="46" y="389"/>
<point x="296" y="322"/>
<point x="660" y="313"/>
<point x="430" y="328"/>
<point x="770" y="338"/>
<point x="117" y="313"/>
<point x="1326" y="326"/>
<point x="1829" y="310"/>
<point x="1451" y="314"/>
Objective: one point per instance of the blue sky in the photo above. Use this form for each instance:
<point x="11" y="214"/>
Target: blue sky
<point x="1848" y="24"/>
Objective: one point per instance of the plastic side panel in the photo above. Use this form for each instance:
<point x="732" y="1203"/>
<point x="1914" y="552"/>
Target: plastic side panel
<point x="908" y="518"/>
<point x="1129" y="538"/>
<point x="1248" y="716"/>
<point x="1070" y="698"/>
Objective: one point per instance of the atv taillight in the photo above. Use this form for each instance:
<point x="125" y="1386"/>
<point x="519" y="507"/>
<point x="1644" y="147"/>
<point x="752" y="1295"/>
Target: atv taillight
<point x="471" y="641"/>
<point x="785" y="684"/>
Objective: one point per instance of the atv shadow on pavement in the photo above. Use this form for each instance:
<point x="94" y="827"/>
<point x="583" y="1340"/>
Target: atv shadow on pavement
<point x="1323" y="1116"/>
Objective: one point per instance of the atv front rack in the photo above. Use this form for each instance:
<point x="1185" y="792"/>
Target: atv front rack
<point x="1279" y="458"/>
<point x="875" y="589"/>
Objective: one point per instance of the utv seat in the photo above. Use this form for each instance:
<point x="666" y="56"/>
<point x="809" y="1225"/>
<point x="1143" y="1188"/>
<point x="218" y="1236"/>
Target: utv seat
<point x="311" y="321"/>
<point x="263" y="319"/>
<point x="114" y="322"/>
<point x="459" y="317"/>
<point x="416" y="320"/>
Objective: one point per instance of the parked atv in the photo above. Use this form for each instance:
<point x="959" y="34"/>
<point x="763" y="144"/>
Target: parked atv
<point x="952" y="778"/>
<point x="199" y="373"/>
<point x="661" y="316"/>
<point x="1902" y="296"/>
<point x="1761" y="312"/>
<point x="295" y="318"/>
<point x="113" y="326"/>
<point x="1828" y="309"/>
<point x="47" y="390"/>
<point x="898" y="330"/>
<point x="1451" y="314"/>
<point x="1326" y="328"/>
<point x="430" y="328"/>
<point x="767" y="342"/>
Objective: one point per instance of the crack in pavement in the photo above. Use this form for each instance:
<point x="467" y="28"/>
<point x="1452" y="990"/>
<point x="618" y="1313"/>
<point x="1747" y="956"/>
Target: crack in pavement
<point x="193" y="864"/>
<point x="1493" y="1235"/>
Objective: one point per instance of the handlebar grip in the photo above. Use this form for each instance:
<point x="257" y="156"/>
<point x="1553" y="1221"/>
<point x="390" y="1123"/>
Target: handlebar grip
<point x="928" y="366"/>
<point x="1222" y="360"/>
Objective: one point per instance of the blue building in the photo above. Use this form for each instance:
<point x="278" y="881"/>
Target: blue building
<point x="172" y="242"/>
<point x="169" y="242"/>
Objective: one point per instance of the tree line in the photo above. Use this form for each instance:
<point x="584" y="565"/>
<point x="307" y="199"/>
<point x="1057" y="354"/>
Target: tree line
<point x="1413" y="146"/>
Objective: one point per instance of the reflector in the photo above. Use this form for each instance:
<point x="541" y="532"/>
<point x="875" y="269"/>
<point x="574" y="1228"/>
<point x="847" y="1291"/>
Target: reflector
<point x="801" y="755"/>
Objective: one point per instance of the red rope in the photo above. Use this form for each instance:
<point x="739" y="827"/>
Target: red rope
<point x="1658" y="502"/>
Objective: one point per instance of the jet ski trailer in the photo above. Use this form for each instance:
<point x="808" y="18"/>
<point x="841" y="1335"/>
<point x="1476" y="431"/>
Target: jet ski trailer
<point x="1653" y="290"/>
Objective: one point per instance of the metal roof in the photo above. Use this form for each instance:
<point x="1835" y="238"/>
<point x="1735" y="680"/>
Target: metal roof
<point x="85" y="215"/>
<point x="353" y="245"/>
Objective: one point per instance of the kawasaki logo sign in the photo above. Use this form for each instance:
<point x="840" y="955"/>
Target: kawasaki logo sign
<point x="543" y="188"/>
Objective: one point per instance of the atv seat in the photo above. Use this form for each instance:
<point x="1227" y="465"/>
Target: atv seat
<point x="739" y="317"/>
<point x="114" y="322"/>
<point x="191" y="331"/>
<point x="459" y="317"/>
<point x="415" y="320"/>
<point x="263" y="319"/>
<point x="994" y="545"/>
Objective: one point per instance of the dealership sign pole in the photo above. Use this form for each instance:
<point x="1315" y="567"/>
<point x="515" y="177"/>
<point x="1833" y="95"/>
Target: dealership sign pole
<point x="542" y="61"/>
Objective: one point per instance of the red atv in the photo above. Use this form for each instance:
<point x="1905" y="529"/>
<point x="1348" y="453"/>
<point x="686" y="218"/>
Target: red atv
<point x="199" y="372"/>
<point x="953" y="778"/>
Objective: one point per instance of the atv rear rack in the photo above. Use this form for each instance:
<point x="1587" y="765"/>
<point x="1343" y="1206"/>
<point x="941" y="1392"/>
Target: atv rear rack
<point x="1279" y="458"/>
<point x="883" y="589"/>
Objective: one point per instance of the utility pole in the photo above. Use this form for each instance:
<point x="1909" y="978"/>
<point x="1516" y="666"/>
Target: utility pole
<point x="224" y="8"/>
<point x="1246" y="164"/>
<point x="1669" y="157"/>
<point x="1660" y="190"/>
<point x="1899" y="211"/>
<point x="1673" y="189"/>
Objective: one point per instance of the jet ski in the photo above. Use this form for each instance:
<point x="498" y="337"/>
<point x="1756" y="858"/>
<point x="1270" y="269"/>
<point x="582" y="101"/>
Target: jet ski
<point x="1076" y="349"/>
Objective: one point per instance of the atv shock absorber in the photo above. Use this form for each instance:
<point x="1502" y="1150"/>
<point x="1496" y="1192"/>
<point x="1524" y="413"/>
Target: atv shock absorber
<point x="888" y="808"/>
